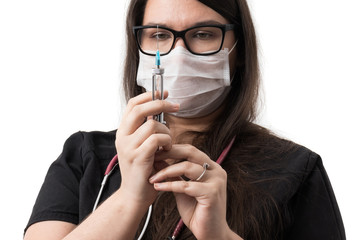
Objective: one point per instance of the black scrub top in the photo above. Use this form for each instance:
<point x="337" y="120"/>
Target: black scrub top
<point x="73" y="182"/>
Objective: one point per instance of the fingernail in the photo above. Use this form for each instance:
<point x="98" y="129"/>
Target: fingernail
<point x="158" y="185"/>
<point x="152" y="178"/>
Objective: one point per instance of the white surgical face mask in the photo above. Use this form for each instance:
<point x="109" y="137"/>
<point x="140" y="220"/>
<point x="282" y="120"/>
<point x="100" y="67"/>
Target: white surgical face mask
<point x="198" y="83"/>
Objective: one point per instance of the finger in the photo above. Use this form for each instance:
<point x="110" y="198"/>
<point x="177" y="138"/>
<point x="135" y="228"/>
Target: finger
<point x="187" y="169"/>
<point x="190" y="188"/>
<point x="148" y="148"/>
<point x="140" y="112"/>
<point x="185" y="151"/>
<point x="147" y="129"/>
<point x="140" y="99"/>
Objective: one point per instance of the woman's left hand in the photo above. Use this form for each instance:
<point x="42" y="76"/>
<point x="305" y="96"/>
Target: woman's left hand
<point x="201" y="204"/>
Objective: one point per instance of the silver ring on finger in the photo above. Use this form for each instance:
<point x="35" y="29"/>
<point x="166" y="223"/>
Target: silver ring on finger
<point x="205" y="167"/>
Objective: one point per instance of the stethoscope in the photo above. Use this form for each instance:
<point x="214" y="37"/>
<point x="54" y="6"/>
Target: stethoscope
<point x="114" y="162"/>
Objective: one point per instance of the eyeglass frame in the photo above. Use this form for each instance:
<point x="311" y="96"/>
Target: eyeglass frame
<point x="224" y="28"/>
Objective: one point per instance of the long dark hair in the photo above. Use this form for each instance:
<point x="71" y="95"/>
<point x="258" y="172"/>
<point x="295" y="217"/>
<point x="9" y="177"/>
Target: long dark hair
<point x="254" y="213"/>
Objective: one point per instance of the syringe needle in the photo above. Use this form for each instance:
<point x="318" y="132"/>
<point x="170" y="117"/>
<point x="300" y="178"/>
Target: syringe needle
<point x="157" y="37"/>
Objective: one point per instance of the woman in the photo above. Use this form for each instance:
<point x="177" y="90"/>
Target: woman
<point x="266" y="188"/>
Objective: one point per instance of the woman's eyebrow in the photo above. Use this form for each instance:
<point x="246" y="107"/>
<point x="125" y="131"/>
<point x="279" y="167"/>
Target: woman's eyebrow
<point x="209" y="22"/>
<point x="156" y="24"/>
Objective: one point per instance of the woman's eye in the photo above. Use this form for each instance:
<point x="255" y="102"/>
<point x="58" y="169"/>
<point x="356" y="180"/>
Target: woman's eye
<point x="203" y="35"/>
<point x="161" y="36"/>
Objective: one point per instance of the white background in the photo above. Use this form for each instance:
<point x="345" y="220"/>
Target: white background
<point x="60" y="72"/>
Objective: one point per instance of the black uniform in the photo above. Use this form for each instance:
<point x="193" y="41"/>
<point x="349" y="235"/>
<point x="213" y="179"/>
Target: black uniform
<point x="73" y="182"/>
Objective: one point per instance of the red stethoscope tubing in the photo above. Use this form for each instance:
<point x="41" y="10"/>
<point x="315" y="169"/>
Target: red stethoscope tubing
<point x="111" y="165"/>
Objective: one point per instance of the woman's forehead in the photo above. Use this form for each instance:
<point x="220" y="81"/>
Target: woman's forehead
<point x="179" y="14"/>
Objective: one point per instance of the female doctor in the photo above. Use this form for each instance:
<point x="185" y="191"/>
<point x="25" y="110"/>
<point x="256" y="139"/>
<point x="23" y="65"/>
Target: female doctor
<point x="207" y="164"/>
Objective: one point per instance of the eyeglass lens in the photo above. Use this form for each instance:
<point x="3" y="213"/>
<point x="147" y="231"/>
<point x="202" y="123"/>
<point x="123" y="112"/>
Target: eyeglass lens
<point x="198" y="40"/>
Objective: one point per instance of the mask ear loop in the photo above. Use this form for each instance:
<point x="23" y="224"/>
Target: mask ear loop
<point x="233" y="46"/>
<point x="232" y="77"/>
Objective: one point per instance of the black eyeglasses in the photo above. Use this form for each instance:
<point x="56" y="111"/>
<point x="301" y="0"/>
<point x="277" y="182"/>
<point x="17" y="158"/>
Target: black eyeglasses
<point x="199" y="40"/>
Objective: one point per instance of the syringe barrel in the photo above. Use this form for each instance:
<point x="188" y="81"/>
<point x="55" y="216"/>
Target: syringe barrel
<point x="158" y="86"/>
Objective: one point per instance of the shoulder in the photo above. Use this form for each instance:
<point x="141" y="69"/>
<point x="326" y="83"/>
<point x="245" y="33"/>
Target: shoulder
<point x="259" y="147"/>
<point x="84" y="154"/>
<point x="73" y="179"/>
<point x="101" y="143"/>
<point x="292" y="178"/>
<point x="298" y="158"/>
<point x="276" y="165"/>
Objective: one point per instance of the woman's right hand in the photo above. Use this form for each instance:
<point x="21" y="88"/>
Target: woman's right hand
<point x="137" y="142"/>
